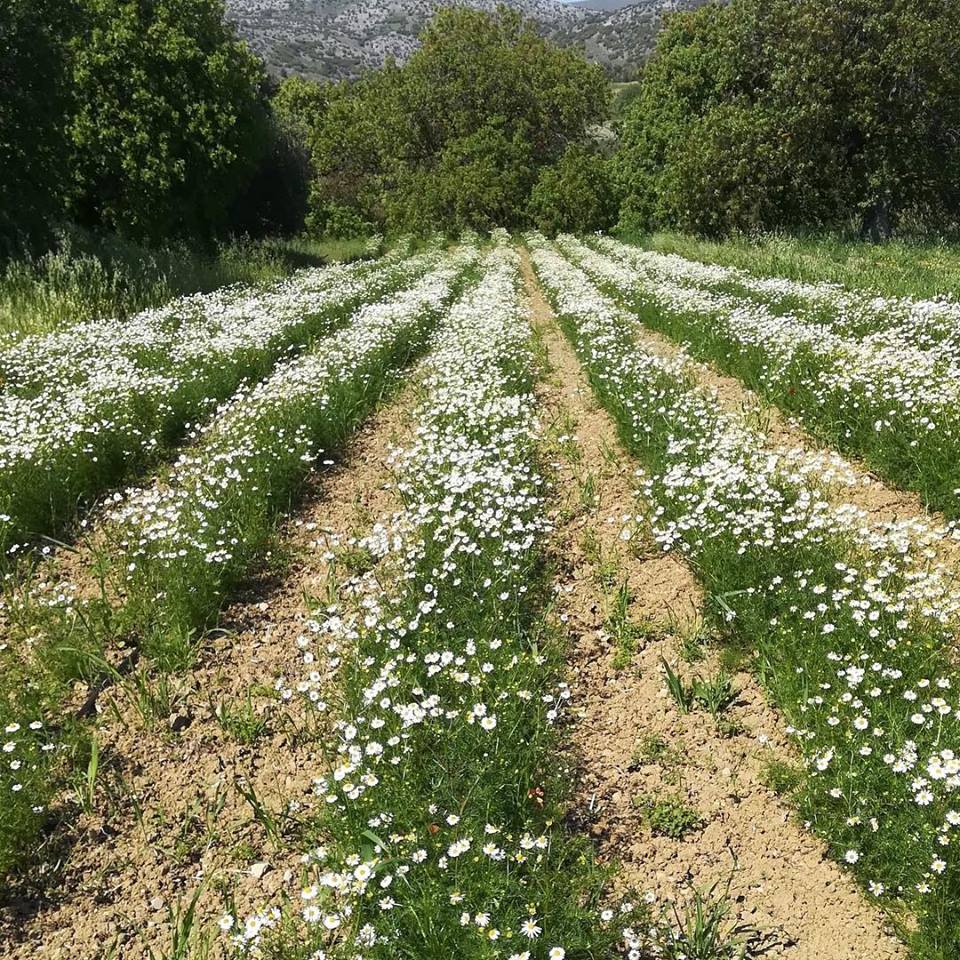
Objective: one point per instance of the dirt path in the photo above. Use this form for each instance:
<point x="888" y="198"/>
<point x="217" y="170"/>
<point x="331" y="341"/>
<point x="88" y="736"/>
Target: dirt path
<point x="631" y="743"/>
<point x="168" y="816"/>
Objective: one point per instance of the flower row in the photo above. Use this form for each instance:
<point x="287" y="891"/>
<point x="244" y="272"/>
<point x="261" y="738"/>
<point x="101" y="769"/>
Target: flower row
<point x="895" y="405"/>
<point x="185" y="539"/>
<point x="926" y="324"/>
<point x="849" y="623"/>
<point x="177" y="545"/>
<point x="83" y="408"/>
<point x="439" y="840"/>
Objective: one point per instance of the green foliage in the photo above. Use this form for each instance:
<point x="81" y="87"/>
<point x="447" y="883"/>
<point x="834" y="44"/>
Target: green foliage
<point x="669" y="816"/>
<point x="575" y="195"/>
<point x="707" y="930"/>
<point x="796" y="112"/>
<point x="170" y="117"/>
<point x="33" y="101"/>
<point x="274" y="202"/>
<point x="458" y="137"/>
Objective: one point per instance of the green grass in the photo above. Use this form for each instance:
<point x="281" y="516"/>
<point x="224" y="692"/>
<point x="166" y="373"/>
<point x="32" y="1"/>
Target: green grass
<point x="901" y="268"/>
<point x="88" y="278"/>
<point x="669" y="816"/>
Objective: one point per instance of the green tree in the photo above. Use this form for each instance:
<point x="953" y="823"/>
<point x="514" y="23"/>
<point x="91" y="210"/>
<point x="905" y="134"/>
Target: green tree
<point x="456" y="138"/>
<point x="771" y="113"/>
<point x="34" y="108"/>
<point x="575" y="195"/>
<point x="171" y="117"/>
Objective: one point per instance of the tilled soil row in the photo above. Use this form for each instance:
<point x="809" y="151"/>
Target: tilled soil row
<point x="169" y="816"/>
<point x="631" y="745"/>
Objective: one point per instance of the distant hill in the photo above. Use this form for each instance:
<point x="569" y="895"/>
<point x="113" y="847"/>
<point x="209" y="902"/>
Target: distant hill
<point x="336" y="39"/>
<point x="602" y="4"/>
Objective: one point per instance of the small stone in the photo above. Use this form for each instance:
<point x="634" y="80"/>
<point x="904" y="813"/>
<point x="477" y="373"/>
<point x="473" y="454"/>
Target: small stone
<point x="156" y="903"/>
<point x="179" y="721"/>
<point x="258" y="870"/>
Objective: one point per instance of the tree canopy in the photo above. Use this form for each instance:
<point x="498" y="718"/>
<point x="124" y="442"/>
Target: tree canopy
<point x="34" y="99"/>
<point x="778" y="113"/>
<point x="455" y="138"/>
<point x="144" y="116"/>
<point x="170" y="119"/>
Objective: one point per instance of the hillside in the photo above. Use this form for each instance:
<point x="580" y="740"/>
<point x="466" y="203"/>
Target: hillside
<point x="341" y="38"/>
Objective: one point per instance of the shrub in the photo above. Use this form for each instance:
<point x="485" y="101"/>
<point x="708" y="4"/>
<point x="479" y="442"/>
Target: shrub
<point x="576" y="195"/>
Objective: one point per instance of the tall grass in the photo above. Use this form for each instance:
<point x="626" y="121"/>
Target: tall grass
<point x="87" y="278"/>
<point x="902" y="268"/>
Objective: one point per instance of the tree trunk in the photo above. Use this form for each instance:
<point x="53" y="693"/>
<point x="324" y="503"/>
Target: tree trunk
<point x="877" y="225"/>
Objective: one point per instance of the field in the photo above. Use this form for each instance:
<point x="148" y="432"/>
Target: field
<point x="515" y="598"/>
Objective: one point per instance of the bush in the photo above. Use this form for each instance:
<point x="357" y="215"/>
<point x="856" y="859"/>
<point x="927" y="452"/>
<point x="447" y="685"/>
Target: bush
<point x="576" y="195"/>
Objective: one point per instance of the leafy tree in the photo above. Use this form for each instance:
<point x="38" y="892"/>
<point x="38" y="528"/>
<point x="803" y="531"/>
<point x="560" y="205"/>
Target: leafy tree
<point x="796" y="112"/>
<point x="34" y="104"/>
<point x="456" y="138"/>
<point x="170" y="119"/>
<point x="275" y="199"/>
<point x="576" y="194"/>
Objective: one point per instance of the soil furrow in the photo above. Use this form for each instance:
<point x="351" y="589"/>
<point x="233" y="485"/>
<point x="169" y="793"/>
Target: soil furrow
<point x="631" y="745"/>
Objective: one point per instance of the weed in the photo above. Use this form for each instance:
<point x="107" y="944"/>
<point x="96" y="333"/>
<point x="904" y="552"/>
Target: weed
<point x="782" y="776"/>
<point x="187" y="942"/>
<point x="714" y="694"/>
<point x="588" y="491"/>
<point x="85" y="787"/>
<point x="681" y="692"/>
<point x="240" y="720"/>
<point x="624" y="631"/>
<point x="694" y="637"/>
<point x="650" y="748"/>
<point x="669" y="816"/>
<point x="272" y="822"/>
<point x="704" y="931"/>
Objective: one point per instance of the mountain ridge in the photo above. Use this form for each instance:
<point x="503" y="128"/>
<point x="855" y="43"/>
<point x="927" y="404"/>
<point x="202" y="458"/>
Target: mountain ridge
<point x="340" y="39"/>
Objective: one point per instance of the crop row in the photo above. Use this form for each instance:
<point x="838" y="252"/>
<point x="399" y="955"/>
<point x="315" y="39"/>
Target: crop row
<point x="179" y="544"/>
<point x="849" y="625"/>
<point x="925" y="324"/>
<point x="438" y="807"/>
<point x="896" y="406"/>
<point x="84" y="408"/>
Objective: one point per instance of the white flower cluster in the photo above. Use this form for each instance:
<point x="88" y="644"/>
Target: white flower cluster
<point x="183" y="536"/>
<point x="443" y="692"/>
<point x="21" y="744"/>
<point x="884" y="395"/>
<point x="851" y="313"/>
<point x="81" y="406"/>
<point x="850" y="618"/>
<point x="27" y="748"/>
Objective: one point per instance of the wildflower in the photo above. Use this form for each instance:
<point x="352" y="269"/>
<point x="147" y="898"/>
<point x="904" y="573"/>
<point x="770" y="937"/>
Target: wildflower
<point x="530" y="928"/>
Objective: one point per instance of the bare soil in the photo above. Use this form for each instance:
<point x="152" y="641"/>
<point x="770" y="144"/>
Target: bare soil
<point x="630" y="743"/>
